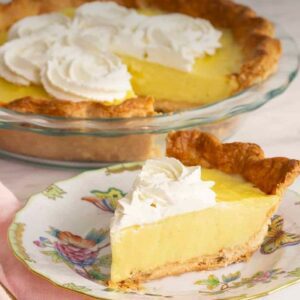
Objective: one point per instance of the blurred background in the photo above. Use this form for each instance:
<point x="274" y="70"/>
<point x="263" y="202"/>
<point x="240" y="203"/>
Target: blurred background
<point x="276" y="126"/>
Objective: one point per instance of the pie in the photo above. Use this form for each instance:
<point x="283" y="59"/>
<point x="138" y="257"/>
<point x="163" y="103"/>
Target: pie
<point x="244" y="53"/>
<point x="249" y="54"/>
<point x="248" y="189"/>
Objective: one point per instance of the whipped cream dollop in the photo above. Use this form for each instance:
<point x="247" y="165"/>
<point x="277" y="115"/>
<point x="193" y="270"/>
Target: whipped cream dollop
<point x="164" y="188"/>
<point x="73" y="74"/>
<point x="175" y="40"/>
<point x="25" y="53"/>
<point x="108" y="13"/>
<point x="6" y="72"/>
<point x="21" y="60"/>
<point x="117" y="22"/>
<point x="37" y="24"/>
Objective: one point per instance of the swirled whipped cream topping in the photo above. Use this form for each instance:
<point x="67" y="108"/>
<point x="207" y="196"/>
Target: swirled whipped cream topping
<point x="108" y="13"/>
<point x="164" y="188"/>
<point x="74" y="59"/>
<point x="174" y="40"/>
<point x="37" y="24"/>
<point x="70" y="58"/>
<point x="73" y="74"/>
<point x="22" y="57"/>
<point x="119" y="22"/>
<point x="21" y="60"/>
<point x="6" y="72"/>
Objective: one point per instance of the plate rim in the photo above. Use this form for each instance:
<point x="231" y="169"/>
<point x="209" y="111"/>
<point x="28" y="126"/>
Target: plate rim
<point x="119" y="168"/>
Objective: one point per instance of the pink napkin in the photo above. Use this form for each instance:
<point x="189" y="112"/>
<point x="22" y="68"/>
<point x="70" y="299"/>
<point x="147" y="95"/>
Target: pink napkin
<point x="23" y="284"/>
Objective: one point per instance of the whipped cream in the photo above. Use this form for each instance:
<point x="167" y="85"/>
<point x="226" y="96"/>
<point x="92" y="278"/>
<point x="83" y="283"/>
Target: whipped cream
<point x="164" y="188"/>
<point x="23" y="56"/>
<point x="37" y="24"/>
<point x="69" y="58"/>
<point x="21" y="60"/>
<point x="6" y="72"/>
<point x="73" y="58"/>
<point x="76" y="75"/>
<point x="108" y="13"/>
<point x="117" y="22"/>
<point x="174" y="40"/>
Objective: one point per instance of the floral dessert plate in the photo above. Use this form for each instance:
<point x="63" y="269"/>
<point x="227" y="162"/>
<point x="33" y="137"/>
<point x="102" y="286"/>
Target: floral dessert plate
<point x="62" y="234"/>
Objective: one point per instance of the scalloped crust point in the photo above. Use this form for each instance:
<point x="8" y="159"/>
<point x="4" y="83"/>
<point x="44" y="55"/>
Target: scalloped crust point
<point x="271" y="175"/>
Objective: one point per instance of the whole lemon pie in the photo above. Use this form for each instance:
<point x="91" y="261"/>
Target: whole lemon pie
<point x="122" y="59"/>
<point x="205" y="206"/>
<point x="103" y="59"/>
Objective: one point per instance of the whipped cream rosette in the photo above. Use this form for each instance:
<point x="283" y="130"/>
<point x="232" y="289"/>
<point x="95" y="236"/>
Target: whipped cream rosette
<point x="117" y="23"/>
<point x="108" y="13"/>
<point x="73" y="74"/>
<point x="36" y="24"/>
<point x="163" y="189"/>
<point x="6" y="72"/>
<point x="175" y="40"/>
<point x="21" y="59"/>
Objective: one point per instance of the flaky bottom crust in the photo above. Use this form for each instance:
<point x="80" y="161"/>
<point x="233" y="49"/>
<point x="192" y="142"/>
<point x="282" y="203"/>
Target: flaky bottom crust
<point x="84" y="148"/>
<point x="80" y="148"/>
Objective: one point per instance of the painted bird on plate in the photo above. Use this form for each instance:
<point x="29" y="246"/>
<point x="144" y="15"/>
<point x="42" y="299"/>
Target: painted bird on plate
<point x="106" y="201"/>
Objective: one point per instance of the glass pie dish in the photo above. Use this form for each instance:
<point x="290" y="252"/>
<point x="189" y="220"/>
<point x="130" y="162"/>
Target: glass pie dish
<point x="99" y="142"/>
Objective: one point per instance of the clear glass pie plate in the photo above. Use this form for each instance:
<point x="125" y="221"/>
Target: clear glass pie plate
<point x="99" y="142"/>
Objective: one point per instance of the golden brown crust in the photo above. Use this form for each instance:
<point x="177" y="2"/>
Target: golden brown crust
<point x="253" y="33"/>
<point x="135" y="107"/>
<point x="271" y="175"/>
<point x="167" y="106"/>
<point x="223" y="258"/>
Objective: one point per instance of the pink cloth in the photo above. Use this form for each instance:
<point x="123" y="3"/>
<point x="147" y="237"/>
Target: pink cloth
<point x="22" y="283"/>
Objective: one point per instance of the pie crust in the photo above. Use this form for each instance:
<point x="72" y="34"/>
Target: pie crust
<point x="254" y="34"/>
<point x="136" y="107"/>
<point x="271" y="175"/>
<point x="80" y="148"/>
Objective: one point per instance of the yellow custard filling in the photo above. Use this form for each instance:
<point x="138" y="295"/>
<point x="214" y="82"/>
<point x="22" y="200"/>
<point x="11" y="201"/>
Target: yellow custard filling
<point x="241" y="211"/>
<point x="231" y="187"/>
<point x="209" y="81"/>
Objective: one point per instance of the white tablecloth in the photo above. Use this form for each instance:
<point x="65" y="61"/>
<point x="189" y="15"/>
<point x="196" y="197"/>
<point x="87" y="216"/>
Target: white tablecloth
<point x="276" y="127"/>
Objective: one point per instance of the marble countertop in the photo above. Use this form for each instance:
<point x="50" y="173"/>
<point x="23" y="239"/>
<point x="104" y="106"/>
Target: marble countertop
<point x="276" y="127"/>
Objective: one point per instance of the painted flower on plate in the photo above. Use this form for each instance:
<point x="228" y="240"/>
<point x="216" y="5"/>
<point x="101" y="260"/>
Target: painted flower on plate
<point x="79" y="251"/>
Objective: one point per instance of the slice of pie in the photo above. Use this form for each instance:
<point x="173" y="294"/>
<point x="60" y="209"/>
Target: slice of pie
<point x="247" y="54"/>
<point x="171" y="223"/>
